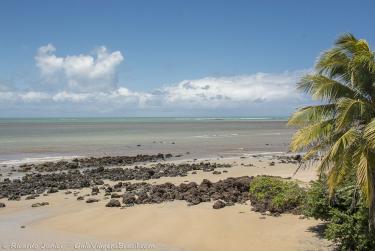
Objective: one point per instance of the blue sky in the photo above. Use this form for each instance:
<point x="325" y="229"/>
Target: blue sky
<point x="158" y="53"/>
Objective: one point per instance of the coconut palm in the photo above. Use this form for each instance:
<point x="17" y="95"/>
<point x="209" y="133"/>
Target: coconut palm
<point x="342" y="128"/>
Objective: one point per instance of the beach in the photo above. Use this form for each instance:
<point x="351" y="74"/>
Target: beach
<point x="69" y="223"/>
<point x="170" y="225"/>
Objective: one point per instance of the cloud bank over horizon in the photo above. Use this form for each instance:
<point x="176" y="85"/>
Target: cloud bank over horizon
<point x="88" y="84"/>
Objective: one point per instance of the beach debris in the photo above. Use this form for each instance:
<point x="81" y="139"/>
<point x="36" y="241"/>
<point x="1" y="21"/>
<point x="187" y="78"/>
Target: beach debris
<point x="2" y="205"/>
<point x="216" y="172"/>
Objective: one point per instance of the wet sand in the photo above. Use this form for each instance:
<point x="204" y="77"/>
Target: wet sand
<point x="168" y="226"/>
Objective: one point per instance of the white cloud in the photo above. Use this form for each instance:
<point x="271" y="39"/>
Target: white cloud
<point x="88" y="83"/>
<point x="32" y="96"/>
<point x="80" y="73"/>
<point x="224" y="91"/>
<point x="261" y="92"/>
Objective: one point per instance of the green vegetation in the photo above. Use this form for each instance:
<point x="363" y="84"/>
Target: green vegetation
<point x="347" y="219"/>
<point x="342" y="128"/>
<point x="275" y="195"/>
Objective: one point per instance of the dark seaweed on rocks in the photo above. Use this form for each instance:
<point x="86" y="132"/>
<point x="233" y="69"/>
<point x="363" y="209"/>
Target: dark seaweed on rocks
<point x="92" y="162"/>
<point x="37" y="183"/>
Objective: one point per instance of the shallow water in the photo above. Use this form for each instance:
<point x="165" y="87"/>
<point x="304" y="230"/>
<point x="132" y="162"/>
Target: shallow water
<point x="54" y="137"/>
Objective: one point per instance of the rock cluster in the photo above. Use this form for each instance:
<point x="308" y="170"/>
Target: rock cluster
<point x="146" y="173"/>
<point x="37" y="183"/>
<point x="290" y="159"/>
<point x="228" y="191"/>
<point x="92" y="162"/>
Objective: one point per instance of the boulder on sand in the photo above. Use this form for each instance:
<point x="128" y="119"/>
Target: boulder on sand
<point x="113" y="203"/>
<point x="219" y="204"/>
<point x="91" y="200"/>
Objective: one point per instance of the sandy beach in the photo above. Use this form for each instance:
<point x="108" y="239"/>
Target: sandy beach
<point x="69" y="224"/>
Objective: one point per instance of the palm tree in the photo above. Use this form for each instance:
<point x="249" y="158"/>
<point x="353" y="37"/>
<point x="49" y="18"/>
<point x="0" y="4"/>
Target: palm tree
<point x="342" y="128"/>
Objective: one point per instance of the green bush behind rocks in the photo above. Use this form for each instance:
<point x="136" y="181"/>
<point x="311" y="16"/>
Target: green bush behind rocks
<point x="344" y="213"/>
<point x="276" y="195"/>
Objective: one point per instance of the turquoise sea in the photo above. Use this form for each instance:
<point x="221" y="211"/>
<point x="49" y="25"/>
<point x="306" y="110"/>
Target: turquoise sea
<point x="25" y="138"/>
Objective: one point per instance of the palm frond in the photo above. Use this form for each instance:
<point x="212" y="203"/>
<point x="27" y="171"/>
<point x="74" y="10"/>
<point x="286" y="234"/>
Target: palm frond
<point x="353" y="111"/>
<point x="334" y="64"/>
<point x="326" y="89"/>
<point x="369" y="133"/>
<point x="366" y="180"/>
<point x="310" y="134"/>
<point x="337" y="151"/>
<point x="312" y="114"/>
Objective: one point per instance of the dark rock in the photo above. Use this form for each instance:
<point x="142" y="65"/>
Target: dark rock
<point x="91" y="200"/>
<point x="91" y="162"/>
<point x="115" y="195"/>
<point x="2" y="205"/>
<point x="36" y="183"/>
<point x="95" y="190"/>
<point x="31" y="197"/>
<point x="113" y="203"/>
<point x="40" y="204"/>
<point x="53" y="190"/>
<point x="14" y="197"/>
<point x="219" y="204"/>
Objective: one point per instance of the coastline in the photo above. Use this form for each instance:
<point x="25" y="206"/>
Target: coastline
<point x="168" y="225"/>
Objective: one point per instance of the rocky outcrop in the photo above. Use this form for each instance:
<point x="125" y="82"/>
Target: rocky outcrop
<point x="228" y="191"/>
<point x="37" y="183"/>
<point x="92" y="162"/>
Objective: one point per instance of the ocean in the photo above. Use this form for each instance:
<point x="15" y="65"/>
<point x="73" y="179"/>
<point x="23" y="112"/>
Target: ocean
<point x="27" y="139"/>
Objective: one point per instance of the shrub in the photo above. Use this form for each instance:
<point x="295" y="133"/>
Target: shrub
<point x="275" y="194"/>
<point x="317" y="203"/>
<point x="350" y="230"/>
<point x="347" y="224"/>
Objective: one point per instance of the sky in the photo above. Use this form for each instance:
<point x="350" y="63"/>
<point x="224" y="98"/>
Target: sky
<point x="166" y="58"/>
